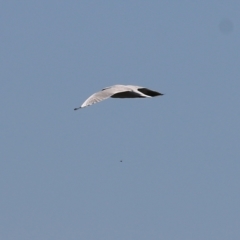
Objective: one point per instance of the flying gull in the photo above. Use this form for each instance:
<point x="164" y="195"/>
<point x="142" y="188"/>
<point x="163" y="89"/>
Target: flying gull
<point x="119" y="91"/>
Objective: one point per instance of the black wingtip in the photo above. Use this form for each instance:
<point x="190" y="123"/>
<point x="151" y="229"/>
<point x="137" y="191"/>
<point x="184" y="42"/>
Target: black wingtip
<point x="76" y="108"/>
<point x="149" y="92"/>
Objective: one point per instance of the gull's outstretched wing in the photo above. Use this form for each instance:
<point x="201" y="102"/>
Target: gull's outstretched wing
<point x="120" y="91"/>
<point x="104" y="94"/>
<point x="95" y="98"/>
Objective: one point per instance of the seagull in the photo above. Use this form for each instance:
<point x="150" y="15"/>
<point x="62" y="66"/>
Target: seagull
<point x="119" y="91"/>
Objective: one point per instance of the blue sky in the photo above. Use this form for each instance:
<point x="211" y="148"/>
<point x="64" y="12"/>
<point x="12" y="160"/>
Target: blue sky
<point x="60" y="170"/>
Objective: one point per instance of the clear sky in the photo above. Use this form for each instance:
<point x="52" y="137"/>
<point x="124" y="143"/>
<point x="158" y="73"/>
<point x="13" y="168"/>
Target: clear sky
<point x="60" y="170"/>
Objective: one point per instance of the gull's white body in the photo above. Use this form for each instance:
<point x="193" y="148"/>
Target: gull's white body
<point x="120" y="91"/>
